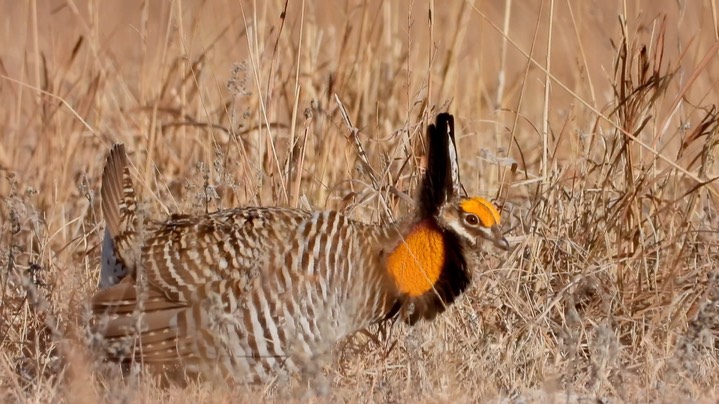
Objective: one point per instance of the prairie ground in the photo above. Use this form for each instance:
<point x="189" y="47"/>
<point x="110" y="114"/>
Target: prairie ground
<point x="592" y="123"/>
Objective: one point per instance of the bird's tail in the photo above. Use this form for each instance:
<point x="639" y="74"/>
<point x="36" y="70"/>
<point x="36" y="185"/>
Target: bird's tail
<point x="119" y="208"/>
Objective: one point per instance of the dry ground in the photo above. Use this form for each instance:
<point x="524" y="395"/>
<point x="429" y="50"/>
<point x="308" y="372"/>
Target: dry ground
<point x="592" y="122"/>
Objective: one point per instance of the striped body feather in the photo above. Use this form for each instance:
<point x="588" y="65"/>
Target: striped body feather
<point x="248" y="290"/>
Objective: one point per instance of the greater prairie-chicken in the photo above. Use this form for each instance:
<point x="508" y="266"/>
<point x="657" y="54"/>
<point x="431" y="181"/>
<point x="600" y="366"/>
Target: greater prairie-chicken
<point x="244" y="292"/>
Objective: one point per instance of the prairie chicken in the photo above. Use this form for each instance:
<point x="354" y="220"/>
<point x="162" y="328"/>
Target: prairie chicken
<point x="245" y="292"/>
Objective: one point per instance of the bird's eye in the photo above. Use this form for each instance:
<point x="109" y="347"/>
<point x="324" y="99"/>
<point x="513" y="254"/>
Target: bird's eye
<point x="471" y="220"/>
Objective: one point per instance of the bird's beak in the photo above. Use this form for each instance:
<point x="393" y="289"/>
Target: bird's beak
<point x="497" y="238"/>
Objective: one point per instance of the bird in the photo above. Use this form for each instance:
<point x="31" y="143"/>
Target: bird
<point x="246" y="293"/>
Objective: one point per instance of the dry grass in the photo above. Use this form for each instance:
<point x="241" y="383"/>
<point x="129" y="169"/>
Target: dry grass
<point x="593" y="123"/>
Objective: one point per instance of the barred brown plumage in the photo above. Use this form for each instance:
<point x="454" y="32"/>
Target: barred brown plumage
<point x="248" y="291"/>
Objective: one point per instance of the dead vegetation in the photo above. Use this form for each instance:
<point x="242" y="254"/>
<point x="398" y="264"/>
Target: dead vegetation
<point x="595" y="127"/>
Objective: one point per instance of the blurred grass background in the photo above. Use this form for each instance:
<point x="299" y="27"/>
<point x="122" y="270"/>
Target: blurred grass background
<point x="592" y="123"/>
